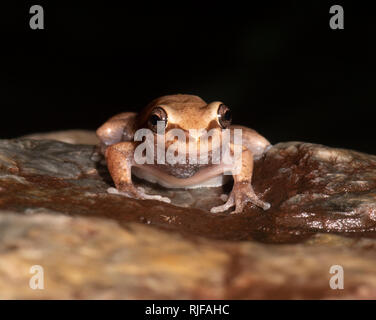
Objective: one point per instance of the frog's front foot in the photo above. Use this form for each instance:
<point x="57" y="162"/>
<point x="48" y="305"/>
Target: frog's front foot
<point x="241" y="194"/>
<point x="130" y="191"/>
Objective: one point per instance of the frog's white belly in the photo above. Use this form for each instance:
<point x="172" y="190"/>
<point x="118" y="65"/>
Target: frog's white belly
<point x="207" y="177"/>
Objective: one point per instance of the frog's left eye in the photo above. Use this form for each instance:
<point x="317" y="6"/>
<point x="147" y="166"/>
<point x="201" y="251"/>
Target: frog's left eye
<point x="158" y="114"/>
<point x="224" y="116"/>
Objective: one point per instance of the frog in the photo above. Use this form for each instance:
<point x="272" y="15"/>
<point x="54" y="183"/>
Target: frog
<point x="185" y="112"/>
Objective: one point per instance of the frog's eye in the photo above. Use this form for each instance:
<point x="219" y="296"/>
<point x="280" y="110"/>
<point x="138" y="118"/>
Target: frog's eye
<point x="158" y="114"/>
<point x="224" y="116"/>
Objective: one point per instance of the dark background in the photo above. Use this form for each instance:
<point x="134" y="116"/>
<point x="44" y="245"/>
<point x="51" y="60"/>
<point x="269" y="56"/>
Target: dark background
<point x="280" y="67"/>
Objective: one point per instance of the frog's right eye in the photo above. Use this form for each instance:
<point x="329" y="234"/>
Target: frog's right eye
<point x="158" y="114"/>
<point x="224" y="116"/>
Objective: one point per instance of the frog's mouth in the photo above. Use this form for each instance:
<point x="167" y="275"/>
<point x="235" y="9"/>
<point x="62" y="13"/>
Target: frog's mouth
<point x="212" y="176"/>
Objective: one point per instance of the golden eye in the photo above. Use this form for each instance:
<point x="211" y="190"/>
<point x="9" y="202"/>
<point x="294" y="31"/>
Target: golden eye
<point x="158" y="114"/>
<point x="224" y="116"/>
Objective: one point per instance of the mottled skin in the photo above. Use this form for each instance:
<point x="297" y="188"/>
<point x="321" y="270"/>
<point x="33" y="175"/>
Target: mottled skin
<point x="184" y="112"/>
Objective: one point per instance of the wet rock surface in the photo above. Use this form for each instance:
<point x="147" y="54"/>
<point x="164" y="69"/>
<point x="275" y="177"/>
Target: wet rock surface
<point x="55" y="212"/>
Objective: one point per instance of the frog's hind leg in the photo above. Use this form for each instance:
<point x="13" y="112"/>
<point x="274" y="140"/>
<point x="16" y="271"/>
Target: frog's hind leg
<point x="253" y="141"/>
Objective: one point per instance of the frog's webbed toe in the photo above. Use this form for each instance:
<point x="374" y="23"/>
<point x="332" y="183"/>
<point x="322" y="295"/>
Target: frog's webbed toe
<point x="146" y="196"/>
<point x="241" y="194"/>
<point x="138" y="193"/>
<point x="229" y="203"/>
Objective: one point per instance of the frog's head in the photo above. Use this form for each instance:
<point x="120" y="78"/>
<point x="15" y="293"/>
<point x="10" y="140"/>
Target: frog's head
<point x="192" y="115"/>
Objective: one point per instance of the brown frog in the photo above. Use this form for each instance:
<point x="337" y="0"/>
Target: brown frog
<point x="194" y="118"/>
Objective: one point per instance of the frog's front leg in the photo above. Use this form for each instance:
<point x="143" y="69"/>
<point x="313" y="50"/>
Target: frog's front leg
<point x="120" y="159"/>
<point x="242" y="191"/>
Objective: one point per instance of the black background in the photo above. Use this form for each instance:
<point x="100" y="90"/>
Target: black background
<point x="279" y="66"/>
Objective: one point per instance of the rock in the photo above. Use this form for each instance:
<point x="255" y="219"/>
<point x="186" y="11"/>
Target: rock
<point x="55" y="212"/>
<point x="68" y="136"/>
<point x="88" y="258"/>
